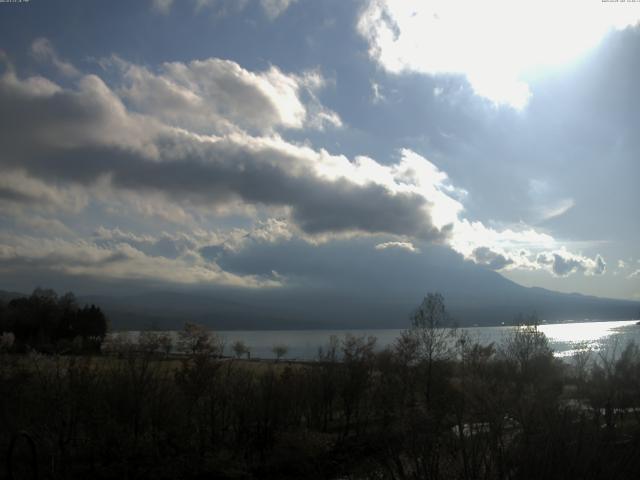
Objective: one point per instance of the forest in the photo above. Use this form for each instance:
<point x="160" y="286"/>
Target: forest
<point x="434" y="405"/>
<point x="52" y="324"/>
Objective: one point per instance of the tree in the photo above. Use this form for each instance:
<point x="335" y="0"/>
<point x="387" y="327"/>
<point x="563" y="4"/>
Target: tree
<point x="430" y="326"/>
<point x="280" y="351"/>
<point x="527" y="348"/>
<point x="329" y="354"/>
<point x="533" y="376"/>
<point x="240" y="348"/>
<point x="50" y="323"/>
<point x="358" y="354"/>
<point x="91" y="324"/>
<point x="166" y="343"/>
<point x="148" y="342"/>
<point x="196" y="339"/>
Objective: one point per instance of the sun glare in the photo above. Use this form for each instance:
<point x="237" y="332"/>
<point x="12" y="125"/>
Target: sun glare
<point x="499" y="45"/>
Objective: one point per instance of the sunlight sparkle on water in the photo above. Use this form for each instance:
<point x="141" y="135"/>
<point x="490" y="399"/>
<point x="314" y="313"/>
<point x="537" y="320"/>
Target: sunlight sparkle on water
<point x="583" y="335"/>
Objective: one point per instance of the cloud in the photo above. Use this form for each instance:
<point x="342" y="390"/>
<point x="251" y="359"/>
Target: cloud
<point x="468" y="236"/>
<point x="43" y="51"/>
<point x="408" y="246"/>
<point x="272" y="8"/>
<point x="275" y="8"/>
<point x="166" y="245"/>
<point x="600" y="266"/>
<point x="562" y="263"/>
<point x="487" y="257"/>
<point x="557" y="209"/>
<point x="216" y="95"/>
<point x="120" y="260"/>
<point x="272" y="230"/>
<point x="49" y="226"/>
<point x="523" y="248"/>
<point x="181" y="243"/>
<point x="85" y="135"/>
<point x="199" y="140"/>
<point x="635" y="274"/>
<point x="376" y="93"/>
<point x="19" y="192"/>
<point x="495" y="44"/>
<point x="162" y="6"/>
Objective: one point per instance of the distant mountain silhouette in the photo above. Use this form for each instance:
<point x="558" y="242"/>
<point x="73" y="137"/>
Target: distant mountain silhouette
<point x="8" y="296"/>
<point x="363" y="299"/>
<point x="480" y="303"/>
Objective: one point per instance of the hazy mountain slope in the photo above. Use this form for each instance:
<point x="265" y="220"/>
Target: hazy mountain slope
<point x="8" y="296"/>
<point x="483" y="298"/>
<point x="363" y="295"/>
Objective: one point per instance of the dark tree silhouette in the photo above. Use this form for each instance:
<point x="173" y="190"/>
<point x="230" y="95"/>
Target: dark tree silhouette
<point x="47" y="322"/>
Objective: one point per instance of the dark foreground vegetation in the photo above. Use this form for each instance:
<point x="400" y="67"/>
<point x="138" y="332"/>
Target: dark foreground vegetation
<point x="52" y="324"/>
<point x="434" y="405"/>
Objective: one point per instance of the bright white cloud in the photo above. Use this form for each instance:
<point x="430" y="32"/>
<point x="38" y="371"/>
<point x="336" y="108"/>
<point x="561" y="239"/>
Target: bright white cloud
<point x="376" y="93"/>
<point x="408" y="246"/>
<point x="563" y="263"/>
<point x="496" y="44"/>
<point x="412" y="174"/>
<point x="523" y="248"/>
<point x="468" y="236"/>
<point x="216" y="95"/>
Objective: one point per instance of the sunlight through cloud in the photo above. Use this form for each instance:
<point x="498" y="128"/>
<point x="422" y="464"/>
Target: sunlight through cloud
<point x="496" y="44"/>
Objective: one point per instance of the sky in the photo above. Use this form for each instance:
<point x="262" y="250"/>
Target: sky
<point x="268" y="144"/>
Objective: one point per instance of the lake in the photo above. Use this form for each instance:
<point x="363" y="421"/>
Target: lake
<point x="564" y="338"/>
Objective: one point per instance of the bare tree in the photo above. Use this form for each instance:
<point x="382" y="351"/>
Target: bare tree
<point x="527" y="347"/>
<point x="240" y="349"/>
<point x="358" y="354"/>
<point x="166" y="343"/>
<point x="199" y="340"/>
<point x="433" y="333"/>
<point x="280" y="351"/>
<point x="148" y="342"/>
<point x="581" y="359"/>
<point x="330" y="352"/>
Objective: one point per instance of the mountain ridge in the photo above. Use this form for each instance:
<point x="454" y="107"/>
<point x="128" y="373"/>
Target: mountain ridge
<point x="302" y="309"/>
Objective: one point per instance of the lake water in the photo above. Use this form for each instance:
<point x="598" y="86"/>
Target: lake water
<point x="564" y="338"/>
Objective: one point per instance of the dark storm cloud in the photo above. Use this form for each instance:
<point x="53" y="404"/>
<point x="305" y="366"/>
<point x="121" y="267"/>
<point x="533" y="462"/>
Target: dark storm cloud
<point x="87" y="134"/>
<point x="218" y="174"/>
